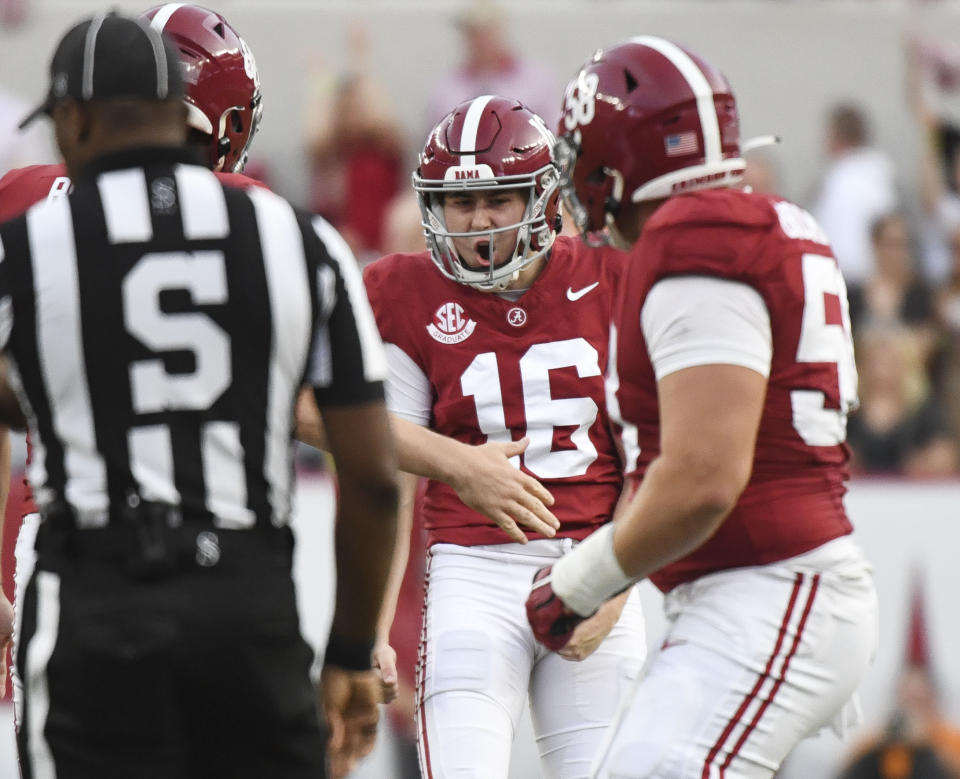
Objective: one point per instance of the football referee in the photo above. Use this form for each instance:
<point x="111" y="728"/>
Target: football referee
<point x="157" y="327"/>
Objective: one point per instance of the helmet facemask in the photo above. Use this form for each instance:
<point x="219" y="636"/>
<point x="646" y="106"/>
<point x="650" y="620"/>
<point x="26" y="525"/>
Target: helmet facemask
<point x="535" y="233"/>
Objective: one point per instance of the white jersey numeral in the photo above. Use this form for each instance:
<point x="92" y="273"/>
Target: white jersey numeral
<point x="823" y="342"/>
<point x="543" y="412"/>
<point x="580" y="102"/>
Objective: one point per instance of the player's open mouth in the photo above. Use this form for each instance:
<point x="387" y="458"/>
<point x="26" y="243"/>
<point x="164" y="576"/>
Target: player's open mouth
<point x="484" y="250"/>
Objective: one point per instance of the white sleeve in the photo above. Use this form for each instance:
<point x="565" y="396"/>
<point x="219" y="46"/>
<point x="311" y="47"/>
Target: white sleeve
<point x="702" y="320"/>
<point x="407" y="387"/>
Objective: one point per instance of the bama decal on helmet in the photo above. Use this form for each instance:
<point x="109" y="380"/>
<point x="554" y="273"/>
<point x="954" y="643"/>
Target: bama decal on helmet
<point x="464" y="173"/>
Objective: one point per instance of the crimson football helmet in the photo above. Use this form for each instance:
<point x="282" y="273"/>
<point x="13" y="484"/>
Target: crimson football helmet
<point x="644" y="120"/>
<point x="221" y="79"/>
<point x="489" y="143"/>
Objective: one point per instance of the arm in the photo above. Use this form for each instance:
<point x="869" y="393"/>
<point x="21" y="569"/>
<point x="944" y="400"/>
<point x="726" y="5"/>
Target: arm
<point x="709" y="416"/>
<point x="482" y="476"/>
<point x="384" y="656"/>
<point x="360" y="442"/>
<point x="309" y="426"/>
<point x="931" y="185"/>
<point x="590" y="633"/>
<point x="710" y="343"/>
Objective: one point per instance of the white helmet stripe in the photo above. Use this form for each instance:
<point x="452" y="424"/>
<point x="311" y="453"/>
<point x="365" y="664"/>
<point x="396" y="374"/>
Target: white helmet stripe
<point x="468" y="135"/>
<point x="163" y="15"/>
<point x="701" y="89"/>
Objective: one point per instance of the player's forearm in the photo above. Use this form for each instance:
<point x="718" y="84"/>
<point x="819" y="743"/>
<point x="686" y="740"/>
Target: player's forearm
<point x="676" y="509"/>
<point x="426" y="453"/>
<point x="365" y="538"/>
<point x="309" y="424"/>
<point x="401" y="554"/>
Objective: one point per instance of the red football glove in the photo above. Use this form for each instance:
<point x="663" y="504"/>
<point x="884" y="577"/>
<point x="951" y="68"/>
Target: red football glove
<point x="552" y="622"/>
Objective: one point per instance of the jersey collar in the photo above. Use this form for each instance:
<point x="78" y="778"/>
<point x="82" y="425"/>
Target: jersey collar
<point x="139" y="157"/>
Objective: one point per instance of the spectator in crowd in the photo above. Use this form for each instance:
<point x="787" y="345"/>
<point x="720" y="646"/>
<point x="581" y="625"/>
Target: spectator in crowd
<point x="930" y="73"/>
<point x="894" y="292"/>
<point x="858" y="187"/>
<point x="492" y="67"/>
<point x="356" y="149"/>
<point x="947" y="320"/>
<point x="918" y="742"/>
<point x="899" y="428"/>
<point x="19" y="148"/>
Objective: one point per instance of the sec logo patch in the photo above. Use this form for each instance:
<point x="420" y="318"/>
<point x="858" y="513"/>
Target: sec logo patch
<point x="450" y="324"/>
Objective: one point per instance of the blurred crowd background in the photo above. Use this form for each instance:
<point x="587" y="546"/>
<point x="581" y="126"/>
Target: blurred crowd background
<point x="864" y="96"/>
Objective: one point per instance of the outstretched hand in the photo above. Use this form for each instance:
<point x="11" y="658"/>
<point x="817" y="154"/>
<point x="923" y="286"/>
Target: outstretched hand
<point x="504" y="493"/>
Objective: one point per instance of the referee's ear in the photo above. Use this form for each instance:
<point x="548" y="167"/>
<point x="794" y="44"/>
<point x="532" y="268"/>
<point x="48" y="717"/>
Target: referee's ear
<point x="72" y="127"/>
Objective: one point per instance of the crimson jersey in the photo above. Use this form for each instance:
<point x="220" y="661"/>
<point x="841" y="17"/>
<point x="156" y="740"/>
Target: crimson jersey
<point x="794" y="499"/>
<point x="22" y="187"/>
<point x="499" y="370"/>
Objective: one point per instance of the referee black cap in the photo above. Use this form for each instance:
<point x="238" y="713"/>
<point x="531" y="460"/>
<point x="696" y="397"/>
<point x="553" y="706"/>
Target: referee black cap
<point x="110" y="56"/>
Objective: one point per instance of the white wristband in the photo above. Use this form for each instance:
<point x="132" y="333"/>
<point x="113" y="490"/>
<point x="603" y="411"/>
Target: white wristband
<point x="590" y="574"/>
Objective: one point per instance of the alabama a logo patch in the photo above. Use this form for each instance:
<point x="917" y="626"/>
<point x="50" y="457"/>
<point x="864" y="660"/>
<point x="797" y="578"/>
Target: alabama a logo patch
<point x="450" y="325"/>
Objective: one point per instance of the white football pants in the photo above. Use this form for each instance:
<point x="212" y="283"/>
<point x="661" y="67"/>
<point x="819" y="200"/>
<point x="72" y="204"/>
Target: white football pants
<point x="479" y="663"/>
<point x="755" y="660"/>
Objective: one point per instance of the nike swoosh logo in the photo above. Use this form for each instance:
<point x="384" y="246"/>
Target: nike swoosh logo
<point x="571" y="295"/>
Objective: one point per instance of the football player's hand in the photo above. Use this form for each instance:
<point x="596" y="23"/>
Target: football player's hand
<point x="552" y="622"/>
<point x="589" y="634"/>
<point x="6" y="637"/>
<point x="505" y="494"/>
<point x="385" y="662"/>
<point x="351" y="704"/>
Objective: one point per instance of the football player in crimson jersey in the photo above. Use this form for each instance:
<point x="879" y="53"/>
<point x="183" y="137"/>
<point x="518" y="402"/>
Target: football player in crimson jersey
<point x="731" y="375"/>
<point x="496" y="340"/>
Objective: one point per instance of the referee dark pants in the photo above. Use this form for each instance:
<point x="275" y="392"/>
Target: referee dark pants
<point x="190" y="664"/>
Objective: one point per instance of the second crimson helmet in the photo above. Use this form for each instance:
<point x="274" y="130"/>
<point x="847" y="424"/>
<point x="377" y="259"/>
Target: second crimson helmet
<point x="489" y="143"/>
<point x="221" y="80"/>
<point x="644" y="120"/>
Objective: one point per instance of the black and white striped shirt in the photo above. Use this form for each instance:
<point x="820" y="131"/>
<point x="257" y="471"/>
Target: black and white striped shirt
<point x="158" y="327"/>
